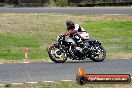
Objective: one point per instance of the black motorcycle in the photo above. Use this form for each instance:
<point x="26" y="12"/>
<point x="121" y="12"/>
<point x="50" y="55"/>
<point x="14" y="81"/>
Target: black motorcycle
<point x="76" y="49"/>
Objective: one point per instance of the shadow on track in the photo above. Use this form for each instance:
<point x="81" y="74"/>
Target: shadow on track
<point x="77" y="61"/>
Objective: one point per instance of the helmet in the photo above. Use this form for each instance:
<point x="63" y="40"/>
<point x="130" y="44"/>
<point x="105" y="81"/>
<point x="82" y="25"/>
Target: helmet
<point x="70" y="24"/>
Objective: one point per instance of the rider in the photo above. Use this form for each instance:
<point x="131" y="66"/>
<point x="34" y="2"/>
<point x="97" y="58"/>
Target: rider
<point x="76" y="29"/>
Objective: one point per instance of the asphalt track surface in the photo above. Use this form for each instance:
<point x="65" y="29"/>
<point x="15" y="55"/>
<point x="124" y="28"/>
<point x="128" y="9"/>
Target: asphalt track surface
<point x="68" y="10"/>
<point x="50" y="71"/>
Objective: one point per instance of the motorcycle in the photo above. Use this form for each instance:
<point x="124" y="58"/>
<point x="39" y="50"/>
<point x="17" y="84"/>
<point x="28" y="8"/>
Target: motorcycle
<point x="76" y="49"/>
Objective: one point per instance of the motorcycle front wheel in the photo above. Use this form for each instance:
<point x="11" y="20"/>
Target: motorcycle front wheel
<point x="57" y="54"/>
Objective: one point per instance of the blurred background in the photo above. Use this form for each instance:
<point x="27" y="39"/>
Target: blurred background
<point x="62" y="3"/>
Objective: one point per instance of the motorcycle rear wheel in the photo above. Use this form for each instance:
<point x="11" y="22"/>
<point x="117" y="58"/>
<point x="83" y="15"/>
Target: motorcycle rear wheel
<point x="99" y="57"/>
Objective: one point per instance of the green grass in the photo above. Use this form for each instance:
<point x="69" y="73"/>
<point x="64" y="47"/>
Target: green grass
<point x="38" y="32"/>
<point x="117" y="33"/>
<point x="72" y="84"/>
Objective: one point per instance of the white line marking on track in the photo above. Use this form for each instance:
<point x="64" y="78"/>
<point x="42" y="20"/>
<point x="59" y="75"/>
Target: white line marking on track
<point x="17" y="83"/>
<point x="48" y="81"/>
<point x="26" y="62"/>
<point x="1" y="84"/>
<point x="32" y="82"/>
<point x="37" y="82"/>
<point x="66" y="80"/>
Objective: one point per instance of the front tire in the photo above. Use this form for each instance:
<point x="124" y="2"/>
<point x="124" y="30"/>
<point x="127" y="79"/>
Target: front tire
<point x="57" y="54"/>
<point x="99" y="56"/>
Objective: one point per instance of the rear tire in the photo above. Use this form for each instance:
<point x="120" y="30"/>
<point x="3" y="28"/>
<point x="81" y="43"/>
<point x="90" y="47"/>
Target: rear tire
<point x="97" y="59"/>
<point x="53" y="57"/>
